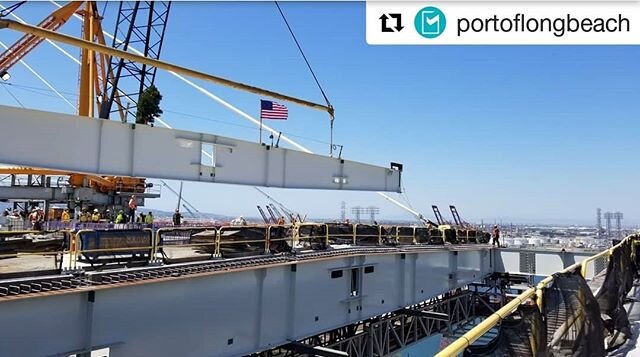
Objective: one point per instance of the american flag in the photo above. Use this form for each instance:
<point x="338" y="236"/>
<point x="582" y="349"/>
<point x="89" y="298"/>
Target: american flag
<point x="273" y="110"/>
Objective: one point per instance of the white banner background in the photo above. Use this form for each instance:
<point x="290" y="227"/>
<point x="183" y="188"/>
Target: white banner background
<point x="470" y="10"/>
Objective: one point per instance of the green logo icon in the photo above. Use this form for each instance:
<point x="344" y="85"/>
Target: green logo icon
<point x="430" y="22"/>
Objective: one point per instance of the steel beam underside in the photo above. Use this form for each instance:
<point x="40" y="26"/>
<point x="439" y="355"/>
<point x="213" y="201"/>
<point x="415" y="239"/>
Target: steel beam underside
<point x="103" y="147"/>
<point x="233" y="313"/>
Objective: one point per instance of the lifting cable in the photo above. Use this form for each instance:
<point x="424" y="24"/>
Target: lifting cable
<point x="9" y="9"/>
<point x="313" y="74"/>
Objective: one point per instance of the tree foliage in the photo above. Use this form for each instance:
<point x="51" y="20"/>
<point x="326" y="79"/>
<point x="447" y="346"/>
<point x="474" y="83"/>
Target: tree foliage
<point x="148" y="106"/>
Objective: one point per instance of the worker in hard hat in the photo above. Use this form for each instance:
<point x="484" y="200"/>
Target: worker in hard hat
<point x="281" y="221"/>
<point x="148" y="219"/>
<point x="177" y="218"/>
<point x="95" y="217"/>
<point x="65" y="217"/>
<point x="120" y="218"/>
<point x="84" y="216"/>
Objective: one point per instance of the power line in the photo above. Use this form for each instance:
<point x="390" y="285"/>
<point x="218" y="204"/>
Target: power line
<point x="12" y="96"/>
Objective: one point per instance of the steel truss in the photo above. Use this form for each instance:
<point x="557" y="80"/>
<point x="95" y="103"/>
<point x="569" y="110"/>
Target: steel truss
<point x="141" y="24"/>
<point x="387" y="333"/>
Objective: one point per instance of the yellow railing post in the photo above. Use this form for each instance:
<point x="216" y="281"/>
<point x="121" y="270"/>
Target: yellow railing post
<point x="267" y="241"/>
<point x="326" y="242"/>
<point x="355" y="228"/>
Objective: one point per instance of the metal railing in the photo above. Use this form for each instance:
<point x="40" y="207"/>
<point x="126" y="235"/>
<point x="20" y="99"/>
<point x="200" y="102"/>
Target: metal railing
<point x="94" y="245"/>
<point x="459" y="345"/>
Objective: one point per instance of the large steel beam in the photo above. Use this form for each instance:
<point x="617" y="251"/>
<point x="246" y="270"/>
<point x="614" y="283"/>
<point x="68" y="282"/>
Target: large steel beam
<point x="102" y="147"/>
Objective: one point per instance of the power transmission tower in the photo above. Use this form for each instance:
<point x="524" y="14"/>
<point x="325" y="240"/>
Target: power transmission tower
<point x="373" y="211"/>
<point x="618" y="216"/>
<point x="607" y="218"/>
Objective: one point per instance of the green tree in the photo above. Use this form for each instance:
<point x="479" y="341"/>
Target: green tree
<point x="148" y="106"/>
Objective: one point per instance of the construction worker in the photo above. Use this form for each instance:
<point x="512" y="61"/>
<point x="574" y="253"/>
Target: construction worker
<point x="133" y="205"/>
<point x="281" y="221"/>
<point x="65" y="217"/>
<point x="149" y="219"/>
<point x="120" y="218"/>
<point x="84" y="217"/>
<point x="177" y="218"/>
<point x="33" y="218"/>
<point x="496" y="236"/>
<point x="95" y="217"/>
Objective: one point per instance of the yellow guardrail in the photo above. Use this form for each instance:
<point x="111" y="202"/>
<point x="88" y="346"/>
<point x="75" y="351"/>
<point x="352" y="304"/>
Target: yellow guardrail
<point x="297" y="237"/>
<point x="459" y="345"/>
<point x="158" y="246"/>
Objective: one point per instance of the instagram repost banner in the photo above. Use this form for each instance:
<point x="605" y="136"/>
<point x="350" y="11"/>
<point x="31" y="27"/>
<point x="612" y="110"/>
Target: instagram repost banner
<point x="503" y="23"/>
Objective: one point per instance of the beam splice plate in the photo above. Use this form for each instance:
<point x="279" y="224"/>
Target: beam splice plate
<point x="102" y="147"/>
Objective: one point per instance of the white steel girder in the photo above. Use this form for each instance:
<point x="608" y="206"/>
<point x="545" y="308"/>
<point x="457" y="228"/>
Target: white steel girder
<point x="72" y="143"/>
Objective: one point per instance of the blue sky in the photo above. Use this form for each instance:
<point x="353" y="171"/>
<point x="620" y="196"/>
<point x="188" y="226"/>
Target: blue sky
<point x="535" y="133"/>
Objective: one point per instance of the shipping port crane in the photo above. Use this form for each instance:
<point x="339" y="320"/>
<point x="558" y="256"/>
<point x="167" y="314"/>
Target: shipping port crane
<point x="456" y="217"/>
<point x="438" y="215"/>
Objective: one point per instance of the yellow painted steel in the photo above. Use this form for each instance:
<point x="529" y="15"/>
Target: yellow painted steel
<point x="487" y="324"/>
<point x="88" y="45"/>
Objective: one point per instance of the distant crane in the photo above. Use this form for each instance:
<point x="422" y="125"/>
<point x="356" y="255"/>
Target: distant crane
<point x="276" y="210"/>
<point x="456" y="216"/>
<point x="436" y="212"/>
<point x="264" y="216"/>
<point x="185" y="202"/>
<point x="273" y="216"/>
<point x="289" y="213"/>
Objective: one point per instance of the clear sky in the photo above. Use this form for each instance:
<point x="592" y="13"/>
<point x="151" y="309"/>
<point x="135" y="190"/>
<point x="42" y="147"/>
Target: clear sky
<point x="522" y="133"/>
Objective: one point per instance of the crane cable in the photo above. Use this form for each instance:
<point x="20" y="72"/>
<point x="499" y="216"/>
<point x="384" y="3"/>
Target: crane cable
<point x="9" y="9"/>
<point x="313" y="74"/>
<point x="284" y="18"/>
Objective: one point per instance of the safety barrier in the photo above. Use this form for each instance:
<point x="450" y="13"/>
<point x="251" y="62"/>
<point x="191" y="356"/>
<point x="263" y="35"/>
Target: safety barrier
<point x="178" y="244"/>
<point x="30" y="252"/>
<point x="237" y="241"/>
<point x="101" y="247"/>
<point x="314" y="235"/>
<point x="537" y="293"/>
<point x="100" y="244"/>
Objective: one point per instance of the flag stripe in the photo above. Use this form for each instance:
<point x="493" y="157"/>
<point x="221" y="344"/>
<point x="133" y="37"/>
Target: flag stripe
<point x="273" y="110"/>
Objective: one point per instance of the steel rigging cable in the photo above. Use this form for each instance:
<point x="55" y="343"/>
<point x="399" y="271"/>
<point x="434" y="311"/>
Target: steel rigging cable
<point x="315" y="78"/>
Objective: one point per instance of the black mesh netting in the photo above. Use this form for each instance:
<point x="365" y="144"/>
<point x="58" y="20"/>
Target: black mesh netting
<point x="572" y="316"/>
<point x="612" y="294"/>
<point x="521" y="334"/>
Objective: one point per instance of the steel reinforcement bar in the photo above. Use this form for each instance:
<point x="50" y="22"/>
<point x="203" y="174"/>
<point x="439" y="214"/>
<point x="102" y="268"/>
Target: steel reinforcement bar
<point x="459" y="345"/>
